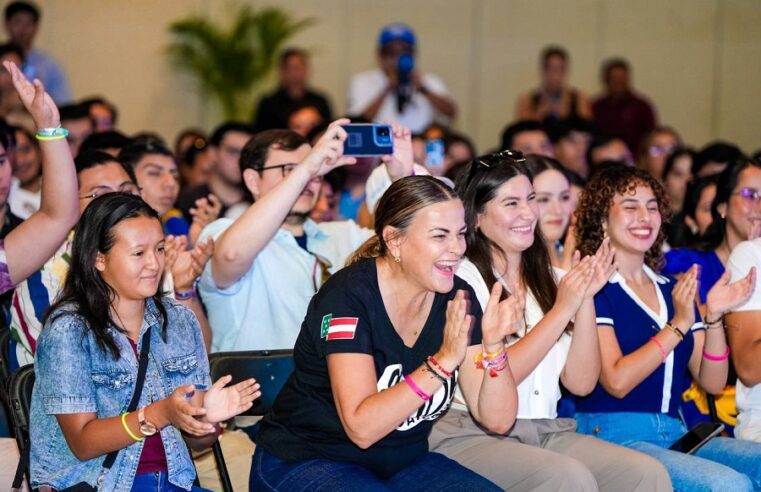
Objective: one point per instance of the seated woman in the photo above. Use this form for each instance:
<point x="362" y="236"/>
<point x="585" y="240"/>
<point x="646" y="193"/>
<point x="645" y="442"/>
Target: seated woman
<point x="378" y="356"/>
<point x="554" y="208"/>
<point x="542" y="451"/>
<point x="736" y="213"/>
<point x="652" y="339"/>
<point x="87" y="373"/>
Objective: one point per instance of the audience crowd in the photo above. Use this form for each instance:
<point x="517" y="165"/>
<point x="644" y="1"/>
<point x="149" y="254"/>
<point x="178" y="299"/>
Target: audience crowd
<point x="551" y="314"/>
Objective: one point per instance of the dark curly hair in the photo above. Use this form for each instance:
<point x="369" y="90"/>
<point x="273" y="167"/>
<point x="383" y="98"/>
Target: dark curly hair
<point x="597" y="198"/>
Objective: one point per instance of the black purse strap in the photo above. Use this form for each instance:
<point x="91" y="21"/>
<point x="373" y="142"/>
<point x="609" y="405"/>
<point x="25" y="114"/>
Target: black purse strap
<point x="142" y="368"/>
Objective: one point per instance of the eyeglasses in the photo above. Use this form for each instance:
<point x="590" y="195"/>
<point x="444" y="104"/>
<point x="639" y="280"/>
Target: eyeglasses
<point x="286" y="169"/>
<point x="661" y="150"/>
<point x="130" y="188"/>
<point x="490" y="161"/>
<point x="749" y="194"/>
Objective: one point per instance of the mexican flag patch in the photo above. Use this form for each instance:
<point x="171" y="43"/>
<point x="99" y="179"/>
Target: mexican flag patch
<point x="338" y="328"/>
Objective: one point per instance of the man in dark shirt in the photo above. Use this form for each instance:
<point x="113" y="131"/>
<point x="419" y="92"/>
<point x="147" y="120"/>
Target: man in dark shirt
<point x="620" y="112"/>
<point x="292" y="93"/>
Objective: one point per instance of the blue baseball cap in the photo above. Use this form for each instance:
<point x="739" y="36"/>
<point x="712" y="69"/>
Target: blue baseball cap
<point x="397" y="32"/>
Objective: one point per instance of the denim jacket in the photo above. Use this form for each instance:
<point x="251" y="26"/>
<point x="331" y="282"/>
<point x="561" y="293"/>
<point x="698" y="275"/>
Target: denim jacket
<point x="73" y="375"/>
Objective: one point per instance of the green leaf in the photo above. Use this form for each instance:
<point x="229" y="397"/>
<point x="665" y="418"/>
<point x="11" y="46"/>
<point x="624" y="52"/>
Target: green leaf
<point x="230" y="62"/>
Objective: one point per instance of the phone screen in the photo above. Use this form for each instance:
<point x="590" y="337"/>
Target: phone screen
<point x="434" y="156"/>
<point x="697" y="437"/>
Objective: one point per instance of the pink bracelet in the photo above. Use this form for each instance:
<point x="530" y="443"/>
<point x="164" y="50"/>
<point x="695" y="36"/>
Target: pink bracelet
<point x="660" y="347"/>
<point x="717" y="358"/>
<point x="414" y="387"/>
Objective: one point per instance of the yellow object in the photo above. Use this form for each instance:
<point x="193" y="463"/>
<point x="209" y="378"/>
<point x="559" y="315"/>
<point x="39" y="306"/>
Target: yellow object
<point x="726" y="409"/>
<point x="126" y="427"/>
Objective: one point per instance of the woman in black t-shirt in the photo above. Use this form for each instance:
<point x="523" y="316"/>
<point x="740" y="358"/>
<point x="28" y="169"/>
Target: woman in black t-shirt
<point x="378" y="357"/>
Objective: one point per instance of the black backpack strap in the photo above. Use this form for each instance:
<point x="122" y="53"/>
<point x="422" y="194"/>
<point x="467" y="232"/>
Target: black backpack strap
<point x="141" y="370"/>
<point x="23" y="466"/>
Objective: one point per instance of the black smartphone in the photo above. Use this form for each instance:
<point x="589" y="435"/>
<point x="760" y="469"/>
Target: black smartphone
<point x="697" y="437"/>
<point x="365" y="139"/>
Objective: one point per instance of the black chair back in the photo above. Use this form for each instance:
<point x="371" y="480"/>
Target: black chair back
<point x="5" y="353"/>
<point x="20" y="396"/>
<point x="270" y="368"/>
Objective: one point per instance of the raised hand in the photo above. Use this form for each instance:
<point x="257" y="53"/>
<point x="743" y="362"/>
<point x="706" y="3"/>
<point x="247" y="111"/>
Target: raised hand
<point x="400" y="163"/>
<point x="179" y="411"/>
<point x="604" y="267"/>
<point x="683" y="296"/>
<point x="573" y="286"/>
<point x="501" y="318"/>
<point x="224" y="402"/>
<point x="187" y="266"/>
<point x="456" y="332"/>
<point x="327" y="153"/>
<point x="32" y="94"/>
<point x="724" y="296"/>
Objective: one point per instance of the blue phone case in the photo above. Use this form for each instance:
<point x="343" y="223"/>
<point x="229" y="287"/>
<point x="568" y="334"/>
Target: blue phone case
<point x="366" y="139"/>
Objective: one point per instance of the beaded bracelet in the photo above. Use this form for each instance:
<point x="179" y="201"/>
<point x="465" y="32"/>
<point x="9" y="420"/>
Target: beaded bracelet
<point x="414" y="387"/>
<point x="494" y="362"/>
<point x="716" y="358"/>
<point x="439" y="366"/>
<point x="126" y="427"/>
<point x="435" y="372"/>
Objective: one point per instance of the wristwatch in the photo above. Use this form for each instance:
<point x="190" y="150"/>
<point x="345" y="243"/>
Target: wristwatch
<point x="146" y="428"/>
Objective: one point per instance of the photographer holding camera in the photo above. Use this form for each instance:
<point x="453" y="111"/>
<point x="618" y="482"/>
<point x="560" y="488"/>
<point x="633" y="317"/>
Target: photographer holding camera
<point x="397" y="91"/>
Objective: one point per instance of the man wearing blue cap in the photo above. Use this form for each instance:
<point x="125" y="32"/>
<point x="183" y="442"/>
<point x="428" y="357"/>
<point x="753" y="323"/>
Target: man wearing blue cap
<point x="396" y="91"/>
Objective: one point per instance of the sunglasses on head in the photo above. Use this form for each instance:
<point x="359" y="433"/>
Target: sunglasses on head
<point x="490" y="161"/>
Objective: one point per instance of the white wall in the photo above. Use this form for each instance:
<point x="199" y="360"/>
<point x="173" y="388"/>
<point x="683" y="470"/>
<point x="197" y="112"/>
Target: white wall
<point x="698" y="60"/>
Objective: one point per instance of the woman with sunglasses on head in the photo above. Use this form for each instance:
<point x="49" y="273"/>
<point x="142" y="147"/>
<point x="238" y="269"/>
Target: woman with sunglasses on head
<point x="380" y="351"/>
<point x="652" y="338"/>
<point x="736" y="213"/>
<point x="122" y="378"/>
<point x="556" y="343"/>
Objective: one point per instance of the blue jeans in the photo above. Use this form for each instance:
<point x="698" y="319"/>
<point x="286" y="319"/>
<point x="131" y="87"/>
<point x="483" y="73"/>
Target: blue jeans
<point x="158" y="482"/>
<point x="721" y="464"/>
<point x="432" y="471"/>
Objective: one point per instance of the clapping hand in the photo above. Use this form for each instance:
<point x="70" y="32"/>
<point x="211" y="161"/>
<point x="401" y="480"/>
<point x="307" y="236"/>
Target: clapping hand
<point x="683" y="296"/>
<point x="501" y="318"/>
<point x="604" y="266"/>
<point x="573" y="286"/>
<point x="186" y="266"/>
<point x="224" y="402"/>
<point x="456" y="332"/>
<point x="724" y="296"/>
<point x="32" y="94"/>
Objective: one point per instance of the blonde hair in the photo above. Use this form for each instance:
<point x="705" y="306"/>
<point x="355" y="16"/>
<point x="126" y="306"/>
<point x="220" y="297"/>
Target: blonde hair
<point x="398" y="206"/>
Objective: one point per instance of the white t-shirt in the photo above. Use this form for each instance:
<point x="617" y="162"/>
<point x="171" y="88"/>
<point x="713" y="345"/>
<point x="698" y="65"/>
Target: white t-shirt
<point x="539" y="393"/>
<point x="23" y="203"/>
<point x="419" y="113"/>
<point x="744" y="256"/>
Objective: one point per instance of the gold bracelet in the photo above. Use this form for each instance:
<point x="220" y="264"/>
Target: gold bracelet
<point x="126" y="427"/>
<point x="676" y="331"/>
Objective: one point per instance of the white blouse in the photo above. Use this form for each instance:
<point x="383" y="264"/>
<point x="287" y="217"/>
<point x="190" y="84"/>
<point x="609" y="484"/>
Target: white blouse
<point x="539" y="392"/>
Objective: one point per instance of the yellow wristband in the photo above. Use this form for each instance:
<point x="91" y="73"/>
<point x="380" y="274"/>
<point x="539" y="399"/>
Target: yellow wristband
<point x="126" y="427"/>
<point x="45" y="139"/>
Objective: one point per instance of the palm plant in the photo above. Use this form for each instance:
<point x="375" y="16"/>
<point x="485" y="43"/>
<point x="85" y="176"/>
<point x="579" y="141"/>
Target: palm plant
<point x="230" y="63"/>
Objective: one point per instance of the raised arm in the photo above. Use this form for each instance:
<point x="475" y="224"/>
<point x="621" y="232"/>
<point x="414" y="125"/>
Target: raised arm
<point x="237" y="248"/>
<point x="35" y="240"/>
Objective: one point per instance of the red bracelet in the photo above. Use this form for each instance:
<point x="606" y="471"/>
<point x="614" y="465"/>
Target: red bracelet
<point x="438" y="366"/>
<point x="414" y="387"/>
<point x="716" y="358"/>
<point x="660" y="347"/>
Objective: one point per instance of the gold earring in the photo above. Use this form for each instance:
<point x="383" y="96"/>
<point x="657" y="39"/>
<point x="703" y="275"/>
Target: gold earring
<point x="397" y="259"/>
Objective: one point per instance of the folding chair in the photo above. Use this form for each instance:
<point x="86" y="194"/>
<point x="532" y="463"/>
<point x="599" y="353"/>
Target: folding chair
<point x="20" y="396"/>
<point x="270" y="368"/>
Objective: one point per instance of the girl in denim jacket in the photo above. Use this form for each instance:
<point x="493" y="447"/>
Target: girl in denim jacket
<point x="87" y="361"/>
